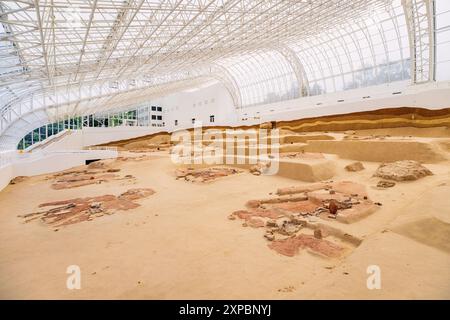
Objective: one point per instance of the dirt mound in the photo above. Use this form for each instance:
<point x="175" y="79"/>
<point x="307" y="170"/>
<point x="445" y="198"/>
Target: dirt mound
<point x="204" y="174"/>
<point x="406" y="170"/>
<point x="18" y="179"/>
<point x="76" y="210"/>
<point x="354" y="167"/>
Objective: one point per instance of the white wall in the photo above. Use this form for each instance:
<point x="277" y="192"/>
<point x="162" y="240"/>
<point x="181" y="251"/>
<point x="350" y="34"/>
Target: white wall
<point x="78" y="139"/>
<point x="6" y="174"/>
<point x="198" y="103"/>
<point x="94" y="136"/>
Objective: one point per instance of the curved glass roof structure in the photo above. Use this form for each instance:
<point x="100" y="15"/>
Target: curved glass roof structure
<point x="78" y="57"/>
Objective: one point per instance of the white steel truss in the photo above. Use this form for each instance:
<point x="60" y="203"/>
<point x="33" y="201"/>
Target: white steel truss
<point x="421" y="26"/>
<point x="76" y="57"/>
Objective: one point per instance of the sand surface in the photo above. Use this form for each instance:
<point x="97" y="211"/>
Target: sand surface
<point x="179" y="243"/>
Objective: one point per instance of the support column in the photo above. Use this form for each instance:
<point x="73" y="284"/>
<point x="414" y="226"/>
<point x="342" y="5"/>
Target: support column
<point x="223" y="75"/>
<point x="296" y="65"/>
<point x="420" y="21"/>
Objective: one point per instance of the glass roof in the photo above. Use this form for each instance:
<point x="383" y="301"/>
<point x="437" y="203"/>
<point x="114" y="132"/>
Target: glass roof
<point x="75" y="57"/>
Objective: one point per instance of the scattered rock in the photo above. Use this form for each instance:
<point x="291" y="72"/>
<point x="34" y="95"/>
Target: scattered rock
<point x="288" y="228"/>
<point x="95" y="207"/>
<point x="355" y="166"/>
<point x="333" y="207"/>
<point x="271" y="224"/>
<point x="297" y="221"/>
<point x="269" y="236"/>
<point x="260" y="168"/>
<point x="405" y="170"/>
<point x="385" y="184"/>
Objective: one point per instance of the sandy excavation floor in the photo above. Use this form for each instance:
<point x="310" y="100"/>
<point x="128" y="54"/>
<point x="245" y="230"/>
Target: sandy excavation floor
<point x="176" y="241"/>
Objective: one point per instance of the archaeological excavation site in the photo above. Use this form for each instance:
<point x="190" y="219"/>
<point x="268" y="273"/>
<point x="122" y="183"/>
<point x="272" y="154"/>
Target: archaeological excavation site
<point x="235" y="150"/>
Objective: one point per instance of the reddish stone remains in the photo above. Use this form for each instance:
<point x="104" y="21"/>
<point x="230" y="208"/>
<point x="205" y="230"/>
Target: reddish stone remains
<point x="291" y="246"/>
<point x="76" y="210"/>
<point x="297" y="207"/>
<point x="95" y="173"/>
